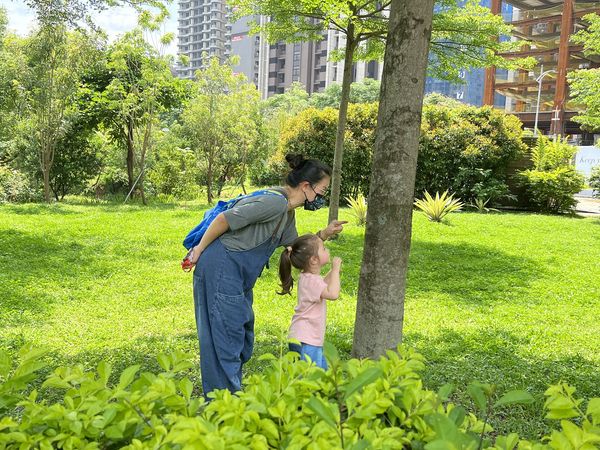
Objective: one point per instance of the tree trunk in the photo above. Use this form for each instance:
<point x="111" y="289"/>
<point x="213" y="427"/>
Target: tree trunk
<point x="382" y="283"/>
<point x="46" y="167"/>
<point x="336" y="179"/>
<point x="46" y="175"/>
<point x="209" y="175"/>
<point x="130" y="154"/>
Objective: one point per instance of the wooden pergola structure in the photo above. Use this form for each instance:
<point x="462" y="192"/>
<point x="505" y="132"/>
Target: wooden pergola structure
<point x="546" y="26"/>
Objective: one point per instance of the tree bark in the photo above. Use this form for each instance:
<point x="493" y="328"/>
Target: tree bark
<point x="336" y="179"/>
<point x="130" y="153"/>
<point x="382" y="283"/>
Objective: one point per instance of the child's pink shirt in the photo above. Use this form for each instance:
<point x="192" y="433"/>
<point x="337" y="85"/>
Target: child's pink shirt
<point x="308" y="323"/>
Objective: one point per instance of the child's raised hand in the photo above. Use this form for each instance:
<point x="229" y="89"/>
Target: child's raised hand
<point x="336" y="263"/>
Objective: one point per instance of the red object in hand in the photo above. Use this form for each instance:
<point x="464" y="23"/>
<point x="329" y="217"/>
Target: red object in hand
<point x="186" y="264"/>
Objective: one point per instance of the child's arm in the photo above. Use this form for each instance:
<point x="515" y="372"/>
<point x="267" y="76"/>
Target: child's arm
<point x="332" y="291"/>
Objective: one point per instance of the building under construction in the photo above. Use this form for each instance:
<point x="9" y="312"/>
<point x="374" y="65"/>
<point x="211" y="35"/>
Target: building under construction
<point x="546" y="26"/>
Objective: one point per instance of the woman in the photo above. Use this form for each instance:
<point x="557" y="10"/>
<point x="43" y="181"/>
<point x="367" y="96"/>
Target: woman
<point x="230" y="257"/>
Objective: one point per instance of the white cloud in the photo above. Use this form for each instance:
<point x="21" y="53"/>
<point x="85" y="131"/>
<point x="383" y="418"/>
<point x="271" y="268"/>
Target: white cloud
<point x="115" y="21"/>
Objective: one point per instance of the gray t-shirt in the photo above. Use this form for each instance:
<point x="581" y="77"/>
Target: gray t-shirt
<point x="253" y="220"/>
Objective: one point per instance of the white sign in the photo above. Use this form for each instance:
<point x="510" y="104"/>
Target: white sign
<point x="586" y="159"/>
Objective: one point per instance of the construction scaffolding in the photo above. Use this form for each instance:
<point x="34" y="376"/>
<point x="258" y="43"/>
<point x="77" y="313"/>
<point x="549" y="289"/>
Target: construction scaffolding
<point x="542" y="92"/>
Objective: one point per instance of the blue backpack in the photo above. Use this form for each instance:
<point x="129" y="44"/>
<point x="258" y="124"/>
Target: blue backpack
<point x="193" y="237"/>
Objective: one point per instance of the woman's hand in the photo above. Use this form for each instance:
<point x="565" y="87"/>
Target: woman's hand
<point x="335" y="227"/>
<point x="194" y="255"/>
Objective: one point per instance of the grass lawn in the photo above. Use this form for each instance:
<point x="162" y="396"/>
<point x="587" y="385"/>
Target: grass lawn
<point x="511" y="299"/>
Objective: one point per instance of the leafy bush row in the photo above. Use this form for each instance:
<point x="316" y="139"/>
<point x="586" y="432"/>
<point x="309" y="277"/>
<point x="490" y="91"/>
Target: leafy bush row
<point x="464" y="150"/>
<point x="357" y="404"/>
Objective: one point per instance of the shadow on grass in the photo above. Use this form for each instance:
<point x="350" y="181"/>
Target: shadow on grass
<point x="29" y="263"/>
<point x="469" y="273"/>
<point x="36" y="268"/>
<point x="37" y="209"/>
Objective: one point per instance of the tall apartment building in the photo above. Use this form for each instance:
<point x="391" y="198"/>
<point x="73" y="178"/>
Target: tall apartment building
<point x="203" y="28"/>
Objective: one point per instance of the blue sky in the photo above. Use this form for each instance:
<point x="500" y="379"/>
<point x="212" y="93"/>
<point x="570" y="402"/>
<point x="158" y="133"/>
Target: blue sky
<point x="115" y="21"/>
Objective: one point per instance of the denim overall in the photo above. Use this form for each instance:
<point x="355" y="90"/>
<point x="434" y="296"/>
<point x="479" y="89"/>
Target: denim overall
<point x="223" y="282"/>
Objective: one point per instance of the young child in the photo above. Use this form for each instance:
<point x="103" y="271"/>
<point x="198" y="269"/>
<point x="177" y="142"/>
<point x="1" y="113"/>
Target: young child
<point x="308" y="254"/>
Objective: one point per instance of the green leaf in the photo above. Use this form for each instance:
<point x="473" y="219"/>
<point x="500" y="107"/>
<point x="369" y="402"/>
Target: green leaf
<point x="186" y="387"/>
<point x="267" y="357"/>
<point x="127" y="376"/>
<point x="507" y="442"/>
<point x="323" y="411"/>
<point x="440" y="444"/>
<point x="361" y="445"/>
<point x="457" y="415"/>
<point x="515" y="398"/>
<point x="593" y="409"/>
<point x="56" y="382"/>
<point x="164" y="361"/>
<point x="331" y="354"/>
<point x="104" y="371"/>
<point x="5" y="363"/>
<point x="366" y="377"/>
<point x="445" y="391"/>
<point x="478" y="396"/>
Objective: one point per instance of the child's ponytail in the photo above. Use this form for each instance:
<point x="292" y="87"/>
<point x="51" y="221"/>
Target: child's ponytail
<point x="285" y="271"/>
<point x="298" y="256"/>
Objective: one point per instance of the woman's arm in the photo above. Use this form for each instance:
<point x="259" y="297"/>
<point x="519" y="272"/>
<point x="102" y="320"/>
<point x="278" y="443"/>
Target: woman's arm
<point x="214" y="230"/>
<point x="335" y="227"/>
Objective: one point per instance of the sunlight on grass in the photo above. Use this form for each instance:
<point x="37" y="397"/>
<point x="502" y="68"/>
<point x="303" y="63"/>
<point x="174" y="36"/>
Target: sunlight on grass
<point x="511" y="299"/>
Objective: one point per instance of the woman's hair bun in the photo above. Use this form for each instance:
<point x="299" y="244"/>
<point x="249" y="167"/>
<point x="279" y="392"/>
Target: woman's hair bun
<point x="294" y="160"/>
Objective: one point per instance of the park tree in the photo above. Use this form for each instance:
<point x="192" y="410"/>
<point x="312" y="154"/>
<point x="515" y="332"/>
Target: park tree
<point x="220" y="123"/>
<point x="460" y="39"/>
<point x="13" y="65"/>
<point x="585" y="83"/>
<point x="135" y="87"/>
<point x="78" y="13"/>
<point x="382" y="283"/>
<point x="366" y="91"/>
<point x="56" y="60"/>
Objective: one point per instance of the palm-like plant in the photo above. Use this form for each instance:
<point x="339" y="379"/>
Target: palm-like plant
<point x="358" y="208"/>
<point x="480" y="205"/>
<point x="437" y="208"/>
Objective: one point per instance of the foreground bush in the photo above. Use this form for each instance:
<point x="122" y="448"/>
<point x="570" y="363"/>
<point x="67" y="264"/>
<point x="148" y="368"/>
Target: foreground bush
<point x="354" y="405"/>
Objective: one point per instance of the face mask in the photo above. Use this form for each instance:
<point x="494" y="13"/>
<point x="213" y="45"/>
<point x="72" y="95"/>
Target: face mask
<point x="317" y="203"/>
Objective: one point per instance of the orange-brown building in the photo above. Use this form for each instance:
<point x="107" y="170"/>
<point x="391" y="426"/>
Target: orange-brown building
<point x="547" y="26"/>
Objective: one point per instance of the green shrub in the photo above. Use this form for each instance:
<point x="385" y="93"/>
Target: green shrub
<point x="553" y="180"/>
<point x="356" y="404"/>
<point x="466" y="150"/>
<point x="462" y="149"/>
<point x="595" y="180"/>
<point x="312" y="133"/>
<point x="14" y="186"/>
<point x="553" y="190"/>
